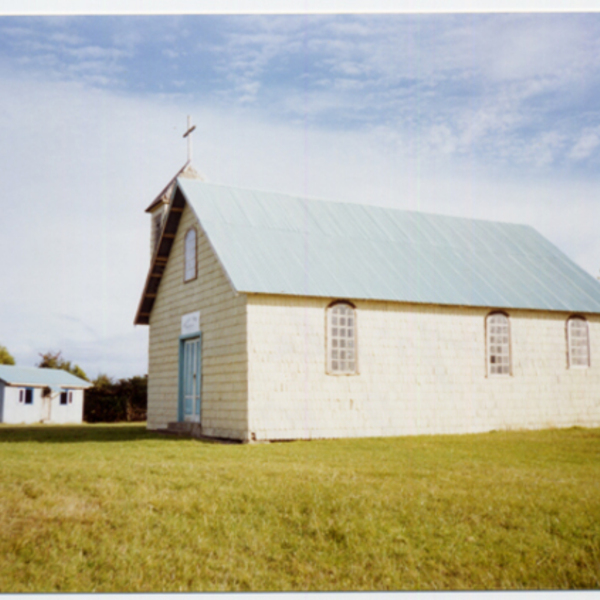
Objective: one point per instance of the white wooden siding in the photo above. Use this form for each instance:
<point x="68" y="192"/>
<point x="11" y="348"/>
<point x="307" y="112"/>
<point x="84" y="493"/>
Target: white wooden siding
<point x="422" y="370"/>
<point x="14" y="411"/>
<point x="223" y="326"/>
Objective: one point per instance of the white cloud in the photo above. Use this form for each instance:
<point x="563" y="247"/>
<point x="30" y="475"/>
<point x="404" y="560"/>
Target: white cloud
<point x="97" y="52"/>
<point x="518" y="48"/>
<point x="66" y="38"/>
<point x="543" y="149"/>
<point x="472" y="83"/>
<point x="586" y="144"/>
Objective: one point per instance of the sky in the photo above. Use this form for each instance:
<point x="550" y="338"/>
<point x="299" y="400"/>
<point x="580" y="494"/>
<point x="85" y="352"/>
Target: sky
<point x="489" y="115"/>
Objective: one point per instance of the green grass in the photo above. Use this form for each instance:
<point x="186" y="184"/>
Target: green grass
<point x="115" y="508"/>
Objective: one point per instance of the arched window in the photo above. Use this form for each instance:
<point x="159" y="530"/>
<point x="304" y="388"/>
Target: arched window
<point x="341" y="339"/>
<point x="190" y="255"/>
<point x="578" y="342"/>
<point x="498" y="344"/>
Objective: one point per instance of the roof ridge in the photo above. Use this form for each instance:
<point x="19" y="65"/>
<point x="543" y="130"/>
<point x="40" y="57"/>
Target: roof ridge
<point x="361" y="204"/>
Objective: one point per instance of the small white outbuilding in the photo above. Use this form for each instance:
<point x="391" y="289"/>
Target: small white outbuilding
<point x="34" y="395"/>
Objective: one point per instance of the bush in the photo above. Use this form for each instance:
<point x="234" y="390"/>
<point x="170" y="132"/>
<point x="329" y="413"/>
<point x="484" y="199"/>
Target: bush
<point x="124" y="400"/>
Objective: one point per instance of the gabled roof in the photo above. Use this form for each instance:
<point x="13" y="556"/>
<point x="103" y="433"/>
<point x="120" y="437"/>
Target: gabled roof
<point x="163" y="198"/>
<point x="34" y="376"/>
<point x="277" y="244"/>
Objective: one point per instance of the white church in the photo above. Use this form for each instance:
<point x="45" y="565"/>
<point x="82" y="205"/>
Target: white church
<point x="274" y="317"/>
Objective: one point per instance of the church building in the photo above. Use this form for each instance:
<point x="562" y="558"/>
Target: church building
<point x="275" y="317"/>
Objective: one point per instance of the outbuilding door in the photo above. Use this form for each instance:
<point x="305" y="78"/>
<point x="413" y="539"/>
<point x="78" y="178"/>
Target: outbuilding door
<point x="191" y="379"/>
<point x="46" y="408"/>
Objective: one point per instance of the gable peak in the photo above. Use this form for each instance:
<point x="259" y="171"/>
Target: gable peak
<point x="190" y="173"/>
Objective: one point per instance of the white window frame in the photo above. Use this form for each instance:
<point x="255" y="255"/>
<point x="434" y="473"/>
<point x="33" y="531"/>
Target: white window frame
<point x="334" y="339"/>
<point x="492" y="344"/>
<point x="580" y="319"/>
<point x="190" y="260"/>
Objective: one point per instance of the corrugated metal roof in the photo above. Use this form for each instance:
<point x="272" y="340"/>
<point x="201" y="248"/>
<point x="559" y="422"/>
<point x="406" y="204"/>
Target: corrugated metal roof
<point x="34" y="376"/>
<point x="277" y="244"/>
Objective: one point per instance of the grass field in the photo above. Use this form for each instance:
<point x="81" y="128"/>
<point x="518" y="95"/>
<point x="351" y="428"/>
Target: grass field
<point x="115" y="508"/>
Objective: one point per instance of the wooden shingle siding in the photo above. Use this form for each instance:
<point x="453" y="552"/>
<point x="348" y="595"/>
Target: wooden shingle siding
<point x="223" y="327"/>
<point x="422" y="369"/>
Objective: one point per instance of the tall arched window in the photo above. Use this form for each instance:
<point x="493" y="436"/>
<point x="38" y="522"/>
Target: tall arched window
<point x="190" y="255"/>
<point x="341" y="339"/>
<point x="498" y="344"/>
<point x="578" y="342"/>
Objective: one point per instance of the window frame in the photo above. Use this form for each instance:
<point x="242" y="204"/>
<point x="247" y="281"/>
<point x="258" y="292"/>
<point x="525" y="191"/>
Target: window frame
<point x="68" y="395"/>
<point x="329" y="341"/>
<point x="185" y="255"/>
<point x="571" y="318"/>
<point x="23" y="394"/>
<point x="488" y="356"/>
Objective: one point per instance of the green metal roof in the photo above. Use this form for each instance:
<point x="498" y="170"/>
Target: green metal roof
<point x="35" y="376"/>
<point x="278" y="244"/>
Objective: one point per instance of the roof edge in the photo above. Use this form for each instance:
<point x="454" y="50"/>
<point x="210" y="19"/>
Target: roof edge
<point x="158" y="200"/>
<point x="70" y="386"/>
<point x="319" y="199"/>
<point x="160" y="256"/>
<point x="416" y="303"/>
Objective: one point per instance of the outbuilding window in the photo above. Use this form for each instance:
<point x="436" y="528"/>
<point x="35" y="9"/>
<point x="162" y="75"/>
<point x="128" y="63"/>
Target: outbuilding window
<point x="26" y="396"/>
<point x="66" y="397"/>
<point x="190" y="255"/>
<point x="341" y="339"/>
<point x="498" y="344"/>
<point x="578" y="342"/>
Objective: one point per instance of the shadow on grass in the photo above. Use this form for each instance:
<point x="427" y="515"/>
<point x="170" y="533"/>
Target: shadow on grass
<point x="80" y="433"/>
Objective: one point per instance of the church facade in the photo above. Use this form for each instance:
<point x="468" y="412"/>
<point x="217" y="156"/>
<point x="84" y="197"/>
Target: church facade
<point x="273" y="317"/>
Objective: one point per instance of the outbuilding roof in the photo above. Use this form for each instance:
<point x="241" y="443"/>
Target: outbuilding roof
<point x="273" y="243"/>
<point x="34" y="376"/>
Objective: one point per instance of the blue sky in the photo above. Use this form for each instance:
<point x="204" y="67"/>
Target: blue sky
<point x="489" y="116"/>
<point x="505" y="86"/>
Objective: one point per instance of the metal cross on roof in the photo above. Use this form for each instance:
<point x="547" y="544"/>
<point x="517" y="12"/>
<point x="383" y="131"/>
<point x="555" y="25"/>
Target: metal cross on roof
<point x="190" y="128"/>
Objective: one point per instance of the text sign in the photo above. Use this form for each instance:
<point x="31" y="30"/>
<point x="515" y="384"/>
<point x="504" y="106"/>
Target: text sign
<point x="190" y="323"/>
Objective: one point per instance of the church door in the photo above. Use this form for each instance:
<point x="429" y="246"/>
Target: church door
<point x="191" y="379"/>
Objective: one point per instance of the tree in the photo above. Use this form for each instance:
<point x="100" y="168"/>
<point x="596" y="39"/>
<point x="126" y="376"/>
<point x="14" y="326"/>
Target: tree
<point x="103" y="382"/>
<point x="54" y="360"/>
<point x="6" y="357"/>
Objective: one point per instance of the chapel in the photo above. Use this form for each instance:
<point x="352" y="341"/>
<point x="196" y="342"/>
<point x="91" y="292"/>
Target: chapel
<point x="275" y="317"/>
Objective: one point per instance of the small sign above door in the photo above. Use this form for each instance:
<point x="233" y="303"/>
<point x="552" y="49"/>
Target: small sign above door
<point x="190" y="323"/>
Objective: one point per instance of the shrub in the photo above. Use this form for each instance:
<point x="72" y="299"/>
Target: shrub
<point x="110" y="401"/>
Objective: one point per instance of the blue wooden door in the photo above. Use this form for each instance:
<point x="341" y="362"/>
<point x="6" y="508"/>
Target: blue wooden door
<point x="191" y="379"/>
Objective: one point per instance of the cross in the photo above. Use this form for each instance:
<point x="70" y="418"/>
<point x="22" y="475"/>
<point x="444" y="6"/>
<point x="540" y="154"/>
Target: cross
<point x="189" y="137"/>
